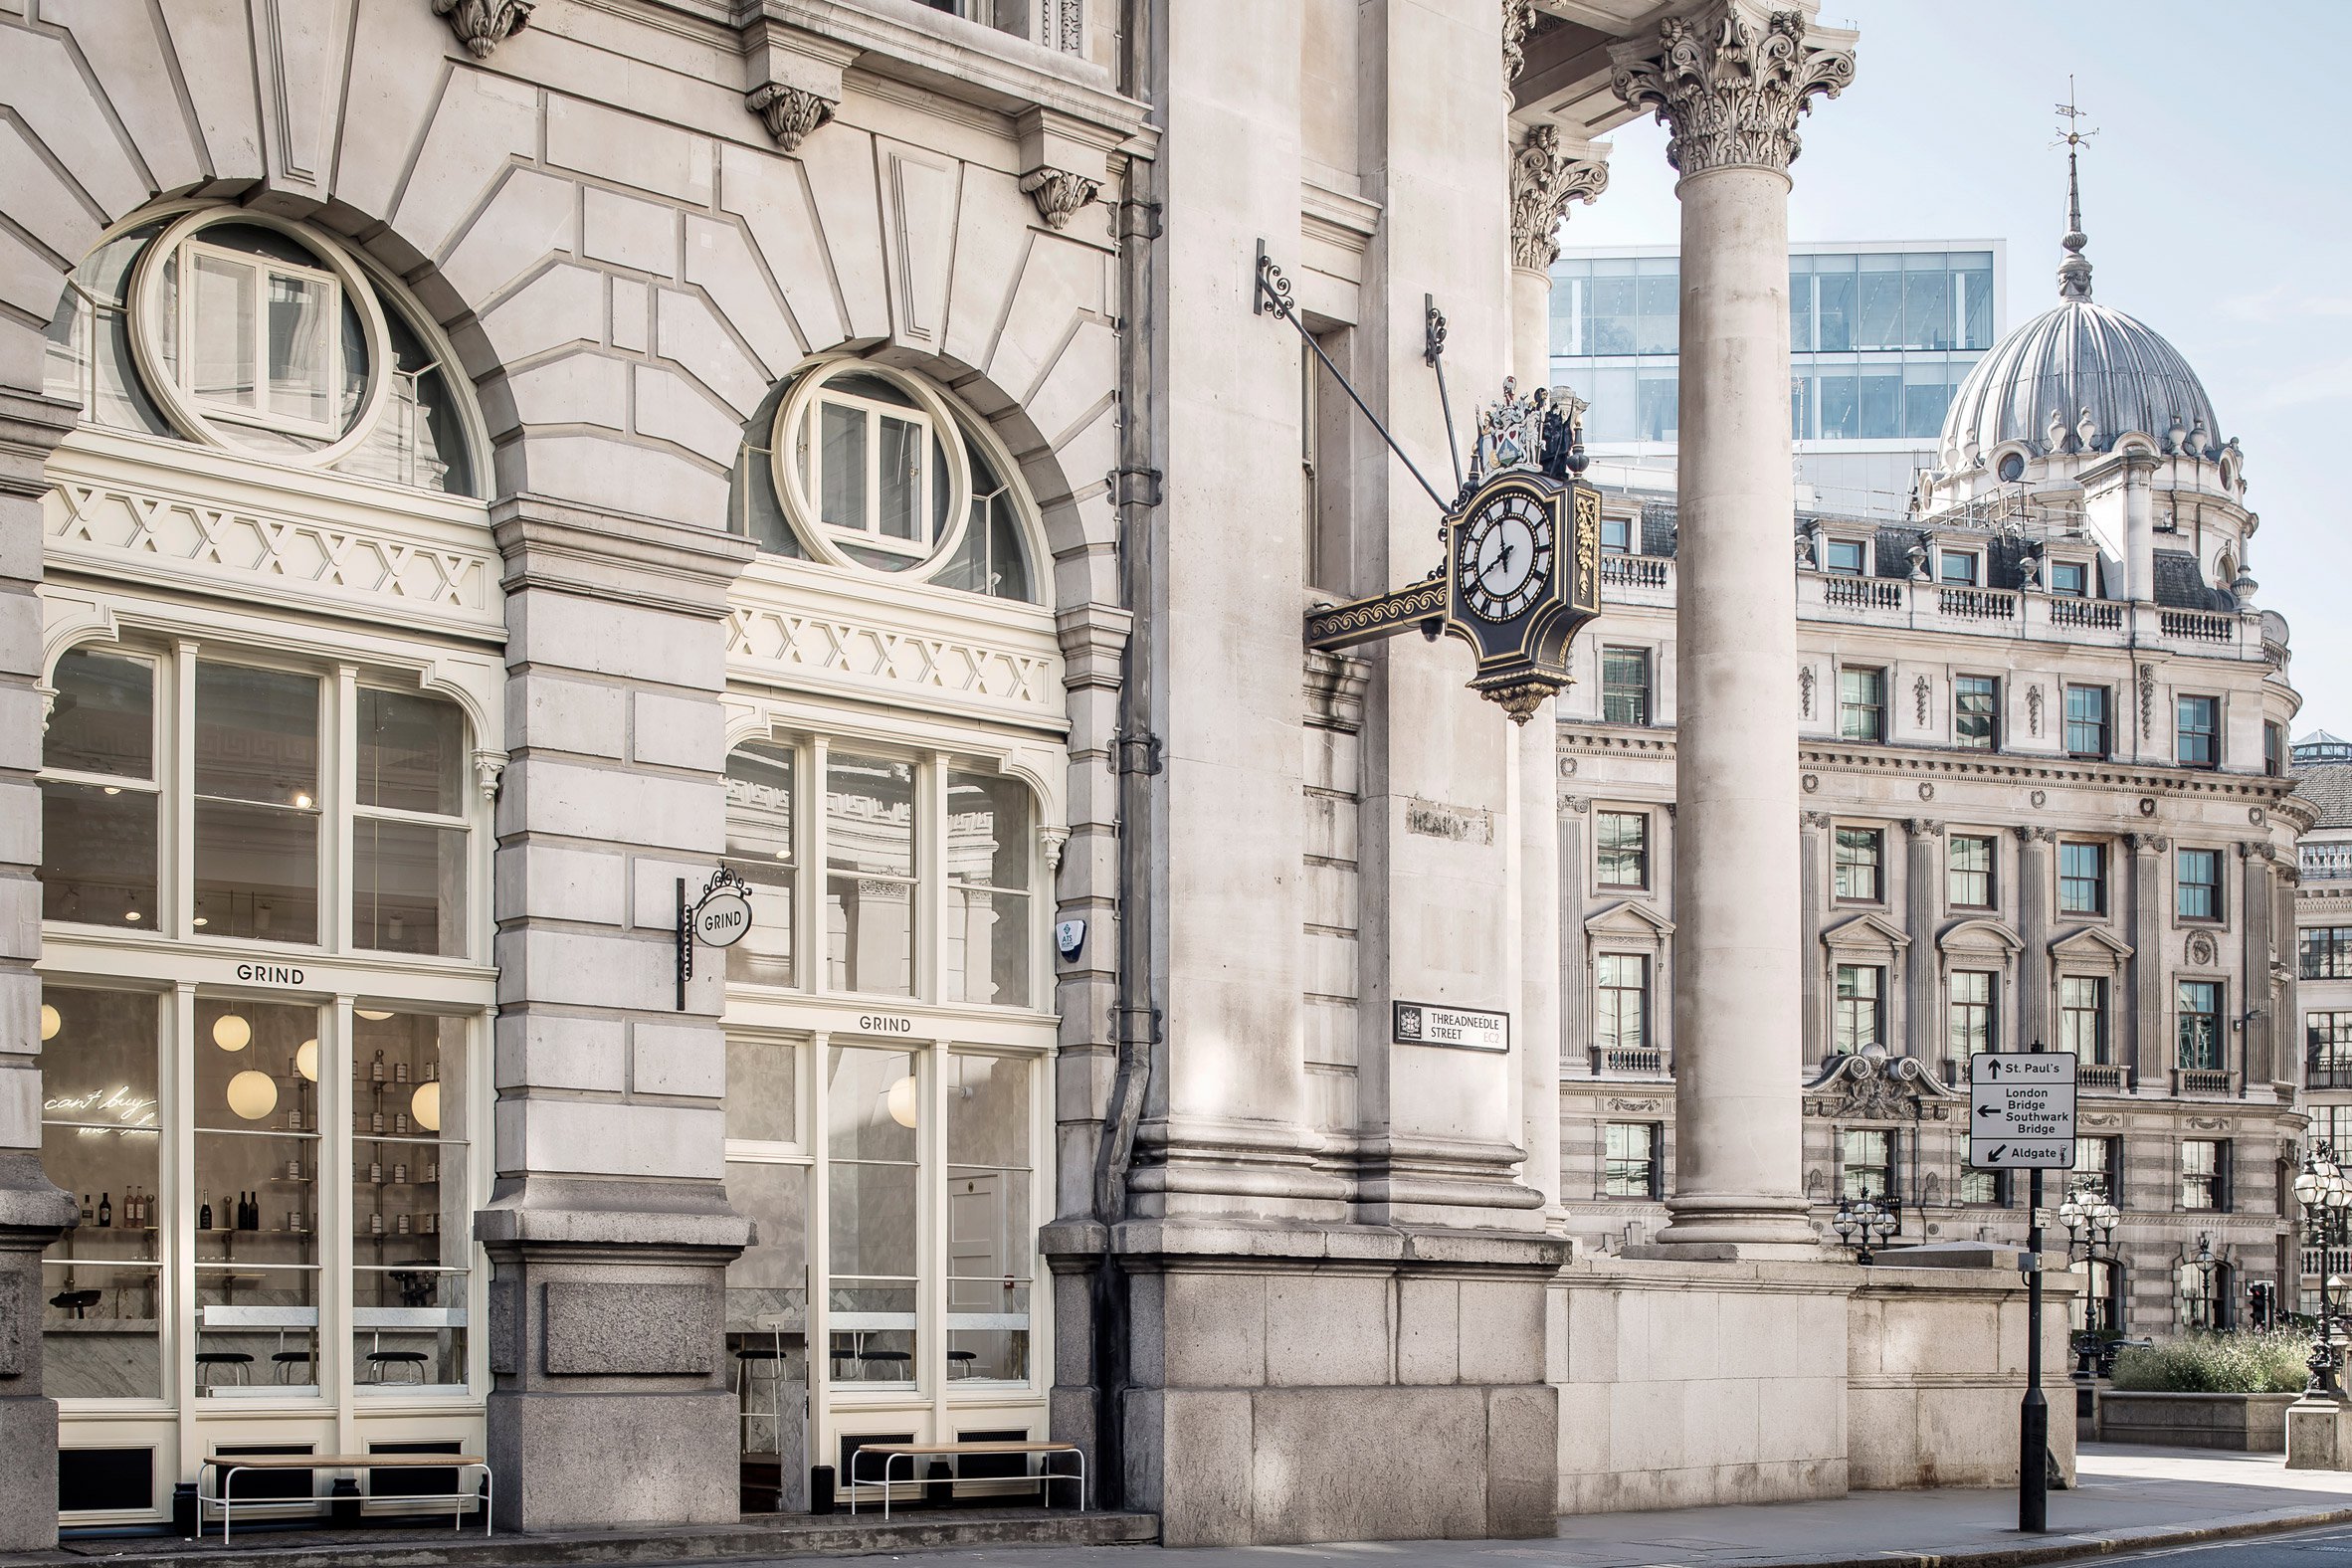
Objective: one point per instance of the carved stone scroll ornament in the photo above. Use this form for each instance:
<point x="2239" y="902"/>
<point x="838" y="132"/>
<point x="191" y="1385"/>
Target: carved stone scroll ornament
<point x="1805" y="680"/>
<point x="1729" y="83"/>
<point x="1545" y="177"/>
<point x="483" y="25"/>
<point x="2034" y="709"/>
<point x="1517" y="17"/>
<point x="1058" y="194"/>
<point x="790" y="113"/>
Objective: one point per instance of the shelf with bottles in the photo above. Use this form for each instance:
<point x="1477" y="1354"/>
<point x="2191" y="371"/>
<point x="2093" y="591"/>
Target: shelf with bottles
<point x="392" y="1103"/>
<point x="133" y="1216"/>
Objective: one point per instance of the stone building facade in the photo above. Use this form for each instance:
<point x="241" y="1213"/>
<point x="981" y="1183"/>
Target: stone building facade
<point x="2043" y="802"/>
<point x="2323" y="967"/>
<point x="478" y="471"/>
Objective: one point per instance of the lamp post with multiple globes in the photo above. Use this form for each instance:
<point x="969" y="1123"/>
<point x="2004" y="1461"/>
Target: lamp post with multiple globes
<point x="2324" y="1193"/>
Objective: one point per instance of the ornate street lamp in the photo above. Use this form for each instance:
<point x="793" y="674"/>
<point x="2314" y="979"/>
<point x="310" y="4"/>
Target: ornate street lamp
<point x="2091" y="1221"/>
<point x="2197" y="1280"/>
<point x="2323" y="1192"/>
<point x="1865" y="1223"/>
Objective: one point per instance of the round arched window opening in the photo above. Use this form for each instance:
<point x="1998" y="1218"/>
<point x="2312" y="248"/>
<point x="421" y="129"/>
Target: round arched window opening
<point x="872" y="467"/>
<point x="2013" y="466"/>
<point x="248" y="332"/>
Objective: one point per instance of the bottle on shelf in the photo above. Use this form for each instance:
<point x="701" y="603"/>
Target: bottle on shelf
<point x="400" y="1173"/>
<point x="375" y="1123"/>
<point x="293" y="1170"/>
<point x="375" y="1172"/>
<point x="403" y="1225"/>
<point x="293" y="1118"/>
<point x="253" y="1211"/>
<point x="375" y="1224"/>
<point x="400" y="1123"/>
<point x="400" y="1073"/>
<point x="204" y="1211"/>
<point x="375" y="1072"/>
<point x="87" y="1214"/>
<point x="105" y="1211"/>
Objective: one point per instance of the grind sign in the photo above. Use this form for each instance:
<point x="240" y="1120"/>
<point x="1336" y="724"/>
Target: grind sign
<point x="719" y="916"/>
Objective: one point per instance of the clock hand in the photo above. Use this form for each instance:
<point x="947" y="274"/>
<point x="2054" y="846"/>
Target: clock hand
<point x="1503" y="565"/>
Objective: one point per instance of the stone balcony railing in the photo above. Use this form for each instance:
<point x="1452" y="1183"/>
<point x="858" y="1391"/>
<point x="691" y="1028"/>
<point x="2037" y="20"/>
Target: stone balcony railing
<point x="2324" y="861"/>
<point x="1639" y="1062"/>
<point x="2110" y="1077"/>
<point x="1648" y="581"/>
<point x="2326" y="1075"/>
<point x="2031" y="615"/>
<point x="2206" y="1082"/>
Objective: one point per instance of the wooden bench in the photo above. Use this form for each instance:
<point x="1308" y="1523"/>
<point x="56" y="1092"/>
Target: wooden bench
<point x="891" y="1453"/>
<point x="226" y="1468"/>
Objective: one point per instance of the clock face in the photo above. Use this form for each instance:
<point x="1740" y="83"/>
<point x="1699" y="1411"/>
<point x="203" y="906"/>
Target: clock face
<point x="1505" y="557"/>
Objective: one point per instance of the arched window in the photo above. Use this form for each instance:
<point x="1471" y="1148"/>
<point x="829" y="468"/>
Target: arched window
<point x="919" y="871"/>
<point x="256" y="334"/>
<point x="869" y="468"/>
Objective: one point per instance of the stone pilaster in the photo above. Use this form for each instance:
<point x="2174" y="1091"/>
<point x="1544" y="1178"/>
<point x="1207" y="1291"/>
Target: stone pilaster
<point x="1728" y="81"/>
<point x="1812" y="833"/>
<point x="1923" y="1037"/>
<point x="1548" y="172"/>
<point x="33" y="1212"/>
<point x="609" y="1228"/>
<point x="2260" y="1063"/>
<point x="2034" y="890"/>
<point x="2139" y="1016"/>
<point x="1576" y="964"/>
<point x="1540" y="1000"/>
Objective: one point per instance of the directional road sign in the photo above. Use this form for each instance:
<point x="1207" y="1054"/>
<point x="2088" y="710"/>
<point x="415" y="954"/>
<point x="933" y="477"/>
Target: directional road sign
<point x="2021" y="1111"/>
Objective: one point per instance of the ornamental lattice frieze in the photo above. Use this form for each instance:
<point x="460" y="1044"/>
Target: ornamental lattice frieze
<point x="1729" y="81"/>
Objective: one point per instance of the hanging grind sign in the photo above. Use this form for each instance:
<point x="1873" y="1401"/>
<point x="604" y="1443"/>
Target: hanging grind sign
<point x="719" y="916"/>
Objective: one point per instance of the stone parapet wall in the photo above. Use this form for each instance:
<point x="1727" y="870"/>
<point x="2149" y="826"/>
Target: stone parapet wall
<point x="1684" y="1384"/>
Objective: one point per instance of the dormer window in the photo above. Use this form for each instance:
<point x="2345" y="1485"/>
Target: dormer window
<point x="1617" y="535"/>
<point x="2013" y="468"/>
<point x="1960" y="568"/>
<point x="1848" y="557"/>
<point x="2071" y="578"/>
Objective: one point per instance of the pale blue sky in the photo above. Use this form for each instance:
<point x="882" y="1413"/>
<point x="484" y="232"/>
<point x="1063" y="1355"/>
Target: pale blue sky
<point x="2215" y="195"/>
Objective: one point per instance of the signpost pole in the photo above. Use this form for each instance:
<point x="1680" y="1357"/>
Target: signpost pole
<point x="2033" y="1473"/>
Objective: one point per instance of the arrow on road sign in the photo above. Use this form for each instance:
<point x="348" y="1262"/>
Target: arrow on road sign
<point x="1994" y="1158"/>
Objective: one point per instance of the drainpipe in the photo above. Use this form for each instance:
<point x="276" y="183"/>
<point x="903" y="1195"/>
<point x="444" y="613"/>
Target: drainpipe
<point x="1135" y="753"/>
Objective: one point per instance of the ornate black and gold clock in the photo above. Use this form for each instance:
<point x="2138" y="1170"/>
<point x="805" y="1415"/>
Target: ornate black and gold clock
<point x="1522" y="567"/>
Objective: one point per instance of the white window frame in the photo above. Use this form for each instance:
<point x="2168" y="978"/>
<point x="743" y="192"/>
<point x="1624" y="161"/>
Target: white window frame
<point x="263" y="269"/>
<point x="875" y="411"/>
<point x="1976" y="566"/>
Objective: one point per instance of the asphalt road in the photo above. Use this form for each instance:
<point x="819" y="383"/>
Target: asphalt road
<point x="2329" y="1548"/>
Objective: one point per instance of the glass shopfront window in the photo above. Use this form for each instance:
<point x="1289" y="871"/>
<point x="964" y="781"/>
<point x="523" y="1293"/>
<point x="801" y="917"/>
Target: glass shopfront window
<point x="410" y="1208"/>
<point x="103" y="1284"/>
<point x="991" y="1237"/>
<point x="256" y="1175"/>
<point x="873" y="1103"/>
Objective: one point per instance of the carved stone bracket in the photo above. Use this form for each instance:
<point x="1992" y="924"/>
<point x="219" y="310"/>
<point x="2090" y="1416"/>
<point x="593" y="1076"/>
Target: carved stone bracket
<point x="1517" y="17"/>
<point x="1054" y="840"/>
<point x="1065" y="164"/>
<point x="795" y="80"/>
<point x="489" y="768"/>
<point x="483" y="25"/>
<point x="790" y="113"/>
<point x="1547" y="173"/>
<point x="1730" y="80"/>
<point x="1058" y="194"/>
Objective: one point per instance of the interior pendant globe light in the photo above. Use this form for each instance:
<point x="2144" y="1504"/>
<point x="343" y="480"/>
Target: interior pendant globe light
<point x="252" y="1095"/>
<point x="230" y="1032"/>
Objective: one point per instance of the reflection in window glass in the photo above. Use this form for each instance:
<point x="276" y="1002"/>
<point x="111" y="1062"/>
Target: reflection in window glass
<point x="412" y="752"/>
<point x="409" y="1203"/>
<point x="869" y="874"/>
<point x="990" y="1260"/>
<point x="990" y="832"/>
<point x="102" y="718"/>
<point x="762" y="1097"/>
<point x="767" y="1304"/>
<point x="256" y="1116"/>
<point x="761" y="850"/>
<point x="408" y="887"/>
<point x="874" y="1100"/>
<point x="101" y="1282"/>
<point x="221" y="317"/>
<point x="97" y="855"/>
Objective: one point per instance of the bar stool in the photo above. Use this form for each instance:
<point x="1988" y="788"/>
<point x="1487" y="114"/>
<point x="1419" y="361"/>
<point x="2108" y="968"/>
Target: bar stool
<point x="237" y="1359"/>
<point x="380" y="1361"/>
<point x="889" y="1361"/>
<point x="756" y="1365"/>
<point x="959" y="1362"/>
<point x="287" y="1360"/>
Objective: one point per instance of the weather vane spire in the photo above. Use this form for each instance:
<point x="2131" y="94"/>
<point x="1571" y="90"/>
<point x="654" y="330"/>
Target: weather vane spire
<point x="2074" y="271"/>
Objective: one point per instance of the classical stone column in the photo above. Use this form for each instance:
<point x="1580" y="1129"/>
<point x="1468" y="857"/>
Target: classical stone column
<point x="1729" y="81"/>
<point x="1547" y="173"/>
<point x="32" y="1211"/>
<point x="1921" y="1037"/>
<point x="609" y="1228"/>
<point x="2143" y="1011"/>
<point x="2033" y="929"/>
<point x="1575" y="973"/>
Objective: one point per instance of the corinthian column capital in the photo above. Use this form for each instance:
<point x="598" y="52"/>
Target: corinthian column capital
<point x="1547" y="173"/>
<point x="1729" y="81"/>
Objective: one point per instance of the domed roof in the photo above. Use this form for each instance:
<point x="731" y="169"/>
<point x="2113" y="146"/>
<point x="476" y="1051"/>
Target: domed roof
<point x="2077" y="357"/>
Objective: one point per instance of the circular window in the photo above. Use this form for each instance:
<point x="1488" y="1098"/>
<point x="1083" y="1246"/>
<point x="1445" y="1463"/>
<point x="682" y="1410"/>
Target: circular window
<point x="251" y="334"/>
<point x="872" y="467"/>
<point x="2013" y="466"/>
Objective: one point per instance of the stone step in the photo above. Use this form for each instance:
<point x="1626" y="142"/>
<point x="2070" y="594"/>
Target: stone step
<point x="784" y="1535"/>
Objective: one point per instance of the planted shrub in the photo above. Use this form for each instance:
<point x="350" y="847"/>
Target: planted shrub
<point x="2264" y="1363"/>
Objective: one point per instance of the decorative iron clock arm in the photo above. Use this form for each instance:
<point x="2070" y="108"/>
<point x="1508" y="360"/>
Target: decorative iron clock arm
<point x="1274" y="298"/>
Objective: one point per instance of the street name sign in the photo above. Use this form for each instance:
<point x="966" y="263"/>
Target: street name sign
<point x="1462" y="1028"/>
<point x="2021" y="1111"/>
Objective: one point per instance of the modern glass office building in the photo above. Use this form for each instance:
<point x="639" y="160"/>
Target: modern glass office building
<point x="1880" y="336"/>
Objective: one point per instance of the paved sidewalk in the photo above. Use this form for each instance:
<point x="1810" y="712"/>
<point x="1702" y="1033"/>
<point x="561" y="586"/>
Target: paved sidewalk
<point x="2128" y="1498"/>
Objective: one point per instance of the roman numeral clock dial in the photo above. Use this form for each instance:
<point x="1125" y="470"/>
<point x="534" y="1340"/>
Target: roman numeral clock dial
<point x="1505" y="557"/>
